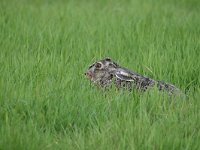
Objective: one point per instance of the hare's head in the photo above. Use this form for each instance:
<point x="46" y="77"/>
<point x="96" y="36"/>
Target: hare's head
<point x="101" y="70"/>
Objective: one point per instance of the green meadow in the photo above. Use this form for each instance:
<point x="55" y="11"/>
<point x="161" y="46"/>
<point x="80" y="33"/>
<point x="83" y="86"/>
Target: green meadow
<point x="46" y="103"/>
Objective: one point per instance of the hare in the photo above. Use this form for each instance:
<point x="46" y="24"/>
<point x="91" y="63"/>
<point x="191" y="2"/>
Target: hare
<point x="105" y="72"/>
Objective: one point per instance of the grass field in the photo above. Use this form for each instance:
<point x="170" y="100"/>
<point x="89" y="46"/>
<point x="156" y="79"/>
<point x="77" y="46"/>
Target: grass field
<point x="45" y="100"/>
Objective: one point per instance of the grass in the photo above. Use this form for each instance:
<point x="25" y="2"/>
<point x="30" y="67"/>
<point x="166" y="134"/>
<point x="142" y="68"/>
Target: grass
<point x="46" y="46"/>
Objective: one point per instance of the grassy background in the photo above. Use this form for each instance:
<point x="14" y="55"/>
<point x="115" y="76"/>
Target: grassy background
<point x="45" y="47"/>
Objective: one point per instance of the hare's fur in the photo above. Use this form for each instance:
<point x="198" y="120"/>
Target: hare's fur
<point x="105" y="72"/>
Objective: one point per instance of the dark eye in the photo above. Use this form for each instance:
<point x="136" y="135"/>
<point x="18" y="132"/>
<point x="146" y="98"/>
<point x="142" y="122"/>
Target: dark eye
<point x="98" y="65"/>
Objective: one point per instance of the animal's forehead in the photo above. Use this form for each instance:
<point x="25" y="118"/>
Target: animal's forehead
<point x="93" y="64"/>
<point x="105" y="62"/>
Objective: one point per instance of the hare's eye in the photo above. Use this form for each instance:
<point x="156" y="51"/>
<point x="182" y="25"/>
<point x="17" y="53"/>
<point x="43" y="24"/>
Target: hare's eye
<point x="98" y="65"/>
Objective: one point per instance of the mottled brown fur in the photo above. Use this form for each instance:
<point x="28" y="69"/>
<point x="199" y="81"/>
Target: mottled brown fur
<point x="105" y="72"/>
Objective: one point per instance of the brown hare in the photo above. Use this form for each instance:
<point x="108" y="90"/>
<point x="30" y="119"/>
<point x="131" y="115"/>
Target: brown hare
<point x="106" y="72"/>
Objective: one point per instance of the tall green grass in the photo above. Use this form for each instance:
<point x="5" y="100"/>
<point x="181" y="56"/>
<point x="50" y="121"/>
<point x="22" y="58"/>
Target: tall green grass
<point x="46" y="46"/>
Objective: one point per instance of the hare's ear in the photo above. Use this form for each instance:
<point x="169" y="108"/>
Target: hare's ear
<point x="124" y="76"/>
<point x="108" y="59"/>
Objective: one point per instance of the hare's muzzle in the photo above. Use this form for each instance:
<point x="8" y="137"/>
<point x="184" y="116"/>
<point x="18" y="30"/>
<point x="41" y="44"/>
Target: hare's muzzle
<point x="88" y="74"/>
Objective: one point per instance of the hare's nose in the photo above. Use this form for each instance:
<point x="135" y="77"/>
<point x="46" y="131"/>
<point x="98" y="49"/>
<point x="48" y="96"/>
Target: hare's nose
<point x="88" y="74"/>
